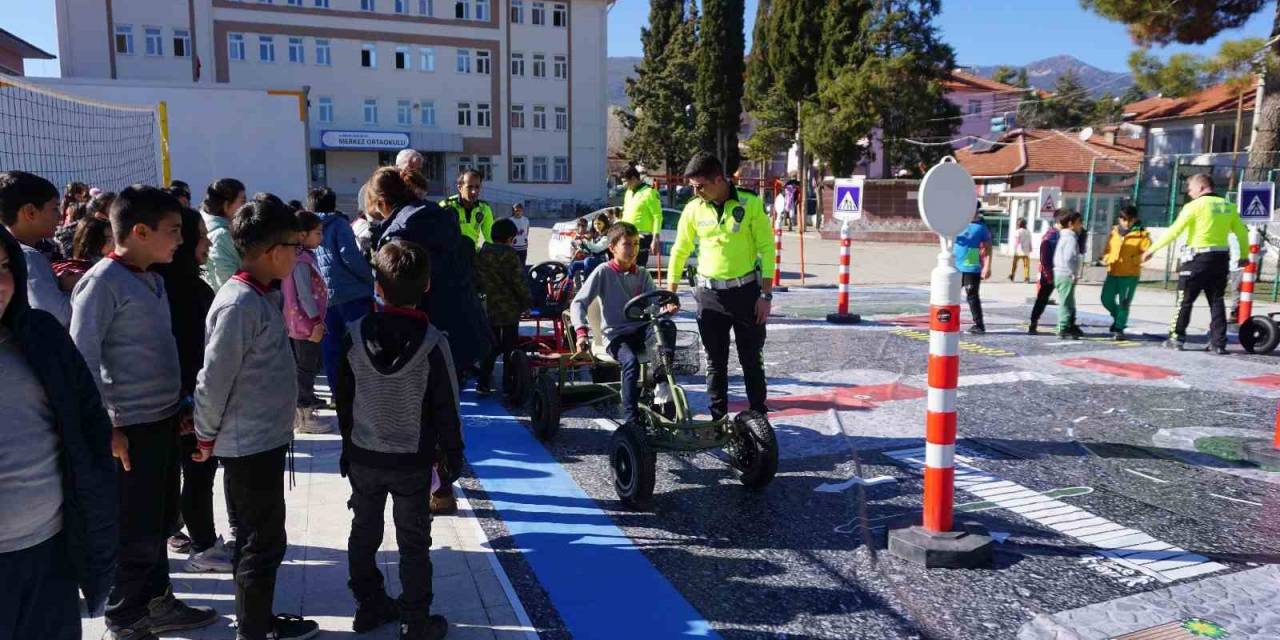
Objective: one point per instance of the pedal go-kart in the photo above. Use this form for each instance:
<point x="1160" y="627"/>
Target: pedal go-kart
<point x="1261" y="333"/>
<point x="668" y="424"/>
<point x="551" y="290"/>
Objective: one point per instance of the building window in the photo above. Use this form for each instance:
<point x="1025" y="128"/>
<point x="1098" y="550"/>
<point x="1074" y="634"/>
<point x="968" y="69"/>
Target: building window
<point x="559" y="15"/>
<point x="322" y="4"/>
<point x="539" y="168"/>
<point x="124" y="39"/>
<point x="518" y="169"/>
<point x="462" y="9"/>
<point x="181" y="43"/>
<point x="482" y="62"/>
<point x="428" y="109"/>
<point x="560" y="169"/>
<point x="538" y="15"/>
<point x="484" y="115"/>
<point x="154" y="41"/>
<point x="404" y="113"/>
<point x="464" y="61"/>
<point x="367" y="5"/>
<point x="560" y="67"/>
<point x="235" y="45"/>
<point x="539" y="65"/>
<point x="517" y="65"/>
<point x="562" y="119"/>
<point x="370" y="111"/>
<point x="517" y="116"/>
<point x="484" y="164"/>
<point x="482" y="10"/>
<point x="267" y="48"/>
<point x="402" y="57"/>
<point x="369" y="55"/>
<point x="325" y="111"/>
<point x="464" y="163"/>
<point x="975" y="106"/>
<point x="517" y="11"/>
<point x="296" y="54"/>
<point x="323" y="54"/>
<point x="539" y="117"/>
<point x="464" y="114"/>
<point x="402" y="6"/>
<point x="294" y="3"/>
<point x="426" y="8"/>
<point x="427" y="58"/>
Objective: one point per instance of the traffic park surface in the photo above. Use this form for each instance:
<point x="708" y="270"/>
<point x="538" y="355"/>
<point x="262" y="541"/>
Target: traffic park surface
<point x="1079" y="457"/>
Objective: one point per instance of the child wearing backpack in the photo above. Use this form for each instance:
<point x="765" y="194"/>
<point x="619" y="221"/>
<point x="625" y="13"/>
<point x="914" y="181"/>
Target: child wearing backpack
<point x="305" y="299"/>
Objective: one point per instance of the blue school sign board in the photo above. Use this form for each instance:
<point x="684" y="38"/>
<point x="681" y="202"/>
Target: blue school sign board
<point x="848" y="203"/>
<point x="1257" y="202"/>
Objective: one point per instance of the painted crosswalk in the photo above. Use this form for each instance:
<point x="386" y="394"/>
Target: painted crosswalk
<point x="1127" y="546"/>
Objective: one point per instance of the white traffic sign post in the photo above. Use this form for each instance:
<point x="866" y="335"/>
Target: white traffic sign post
<point x="947" y="206"/>
<point x="846" y="209"/>
<point x="1050" y="201"/>
<point x="1257" y="208"/>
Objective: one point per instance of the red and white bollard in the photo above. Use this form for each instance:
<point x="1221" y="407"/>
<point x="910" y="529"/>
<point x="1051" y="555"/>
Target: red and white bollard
<point x="944" y="375"/>
<point x="842" y="315"/>
<point x="1248" y="278"/>
<point x="777" y="252"/>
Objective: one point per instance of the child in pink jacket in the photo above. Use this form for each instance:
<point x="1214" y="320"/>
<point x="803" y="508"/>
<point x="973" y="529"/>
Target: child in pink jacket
<point x="305" y="299"/>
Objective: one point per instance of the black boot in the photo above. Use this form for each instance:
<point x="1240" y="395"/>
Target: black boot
<point x="375" y="612"/>
<point x="434" y="628"/>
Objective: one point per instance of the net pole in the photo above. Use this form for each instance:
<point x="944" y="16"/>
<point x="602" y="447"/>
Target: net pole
<point x="165" y="168"/>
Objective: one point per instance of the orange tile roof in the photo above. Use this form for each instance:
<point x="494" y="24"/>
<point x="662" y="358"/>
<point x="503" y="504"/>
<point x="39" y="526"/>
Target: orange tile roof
<point x="1215" y="99"/>
<point x="1071" y="183"/>
<point x="962" y="81"/>
<point x="1049" y="151"/>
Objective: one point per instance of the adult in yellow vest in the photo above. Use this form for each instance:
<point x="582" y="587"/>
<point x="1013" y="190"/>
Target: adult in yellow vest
<point x="642" y="206"/>
<point x="1208" y="220"/>
<point x="735" y="276"/>
<point x="475" y="216"/>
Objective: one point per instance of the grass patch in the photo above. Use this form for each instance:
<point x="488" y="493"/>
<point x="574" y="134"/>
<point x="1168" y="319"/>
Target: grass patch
<point x="1228" y="448"/>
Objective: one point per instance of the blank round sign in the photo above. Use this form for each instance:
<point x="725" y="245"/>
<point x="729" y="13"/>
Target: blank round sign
<point x="947" y="198"/>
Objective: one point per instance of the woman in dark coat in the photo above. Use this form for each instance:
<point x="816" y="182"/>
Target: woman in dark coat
<point x="40" y="601"/>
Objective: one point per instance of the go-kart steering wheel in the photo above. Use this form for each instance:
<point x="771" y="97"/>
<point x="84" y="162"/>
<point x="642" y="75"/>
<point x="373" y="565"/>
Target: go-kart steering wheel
<point x="549" y="272"/>
<point x="638" y="307"/>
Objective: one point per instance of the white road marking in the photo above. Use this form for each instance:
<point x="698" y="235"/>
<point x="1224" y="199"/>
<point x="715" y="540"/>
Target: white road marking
<point x="1149" y="477"/>
<point x="837" y="487"/>
<point x="1233" y="413"/>
<point x="1007" y="377"/>
<point x="1256" y="504"/>
<point x="1121" y="544"/>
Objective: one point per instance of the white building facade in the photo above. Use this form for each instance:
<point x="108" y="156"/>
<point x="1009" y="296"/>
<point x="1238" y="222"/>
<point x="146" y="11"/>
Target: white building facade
<point x="512" y="88"/>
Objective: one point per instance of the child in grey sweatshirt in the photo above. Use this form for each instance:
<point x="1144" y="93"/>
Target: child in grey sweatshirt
<point x="1066" y="264"/>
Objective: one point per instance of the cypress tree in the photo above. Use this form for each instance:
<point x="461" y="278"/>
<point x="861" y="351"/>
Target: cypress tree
<point x="659" y="126"/>
<point x="718" y="86"/>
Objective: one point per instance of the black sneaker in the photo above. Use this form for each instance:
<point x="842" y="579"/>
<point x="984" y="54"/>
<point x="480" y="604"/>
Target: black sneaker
<point x="136" y="631"/>
<point x="1118" y="335"/>
<point x="1177" y="345"/>
<point x="434" y="628"/>
<point x="1033" y="331"/>
<point x="167" y="613"/>
<point x="374" y="613"/>
<point x="1076" y="331"/>
<point x="976" y="330"/>
<point x="289" y="627"/>
<point x="1067" y="334"/>
<point x="1221" y="351"/>
<point x="179" y="543"/>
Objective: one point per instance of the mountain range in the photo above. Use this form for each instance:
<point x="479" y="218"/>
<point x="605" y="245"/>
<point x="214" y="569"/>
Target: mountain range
<point x="1041" y="74"/>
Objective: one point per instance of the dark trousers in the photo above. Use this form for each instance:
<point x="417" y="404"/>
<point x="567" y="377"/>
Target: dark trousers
<point x="197" y="494"/>
<point x="254" y="487"/>
<point x="411" y="512"/>
<point x="627" y="349"/>
<point x="308" y="357"/>
<point x="720" y="311"/>
<point x="1044" y="291"/>
<point x="40" y="597"/>
<point x="524" y="256"/>
<point x="1207" y="274"/>
<point x="148" y="495"/>
<point x="972" y="283"/>
<point x="504" y="337"/>
<point x="336" y="319"/>
<point x="646" y="241"/>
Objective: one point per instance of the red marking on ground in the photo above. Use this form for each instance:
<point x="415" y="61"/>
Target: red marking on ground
<point x="841" y="399"/>
<point x="1121" y="369"/>
<point x="1270" y="381"/>
<point x="919" y="322"/>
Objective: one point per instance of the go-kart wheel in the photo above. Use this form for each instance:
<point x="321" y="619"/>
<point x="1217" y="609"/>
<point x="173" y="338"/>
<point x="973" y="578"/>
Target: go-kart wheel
<point x="517" y="378"/>
<point x="1259" y="334"/>
<point x="634" y="464"/>
<point x="544" y="407"/>
<point x="753" y="450"/>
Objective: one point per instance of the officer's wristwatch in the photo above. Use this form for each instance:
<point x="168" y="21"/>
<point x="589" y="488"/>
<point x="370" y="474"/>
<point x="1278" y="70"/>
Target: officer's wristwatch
<point x="767" y="297"/>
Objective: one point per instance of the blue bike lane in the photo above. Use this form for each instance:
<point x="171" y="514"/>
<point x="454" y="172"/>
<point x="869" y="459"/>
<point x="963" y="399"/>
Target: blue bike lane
<point x="598" y="580"/>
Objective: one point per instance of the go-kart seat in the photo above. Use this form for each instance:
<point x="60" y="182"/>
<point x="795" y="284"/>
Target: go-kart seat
<point x="599" y="348"/>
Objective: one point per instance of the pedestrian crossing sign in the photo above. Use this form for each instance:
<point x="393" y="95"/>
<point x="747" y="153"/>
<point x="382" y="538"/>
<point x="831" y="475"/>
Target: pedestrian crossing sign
<point x="1257" y="202"/>
<point x="848" y="201"/>
<point x="1050" y="201"/>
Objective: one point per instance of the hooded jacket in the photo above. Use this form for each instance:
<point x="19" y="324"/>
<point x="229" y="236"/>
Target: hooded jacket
<point x="1123" y="256"/>
<point x="346" y="271"/>
<point x="224" y="258"/>
<point x="88" y="470"/>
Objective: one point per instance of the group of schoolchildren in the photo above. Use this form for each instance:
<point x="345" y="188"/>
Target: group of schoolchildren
<point x="157" y="349"/>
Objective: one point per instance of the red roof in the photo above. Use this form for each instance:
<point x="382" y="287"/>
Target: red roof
<point x="1071" y="183"/>
<point x="962" y="81"/>
<point x="1215" y="99"/>
<point x="1050" y="151"/>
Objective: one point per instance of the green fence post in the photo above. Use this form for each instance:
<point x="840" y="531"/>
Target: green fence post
<point x="1173" y="203"/>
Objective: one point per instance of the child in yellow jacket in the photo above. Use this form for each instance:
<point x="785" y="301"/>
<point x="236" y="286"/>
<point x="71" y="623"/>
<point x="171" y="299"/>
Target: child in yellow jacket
<point x="1123" y="257"/>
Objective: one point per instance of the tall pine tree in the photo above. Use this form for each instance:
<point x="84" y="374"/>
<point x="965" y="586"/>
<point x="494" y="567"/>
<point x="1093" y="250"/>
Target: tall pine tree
<point x="759" y="75"/>
<point x="718" y="86"/>
<point x="659" y="122"/>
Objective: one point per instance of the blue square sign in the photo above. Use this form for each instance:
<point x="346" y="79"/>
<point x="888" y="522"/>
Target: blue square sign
<point x="1257" y="201"/>
<point x="848" y="202"/>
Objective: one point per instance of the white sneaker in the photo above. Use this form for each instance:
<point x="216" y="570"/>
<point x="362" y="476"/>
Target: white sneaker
<point x="307" y="422"/>
<point x="215" y="559"/>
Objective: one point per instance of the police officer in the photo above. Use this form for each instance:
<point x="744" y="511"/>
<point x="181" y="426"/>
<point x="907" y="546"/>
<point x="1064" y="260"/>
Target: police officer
<point x="735" y="276"/>
<point x="475" y="216"/>
<point x="642" y="206"/>
<point x="1208" y="220"/>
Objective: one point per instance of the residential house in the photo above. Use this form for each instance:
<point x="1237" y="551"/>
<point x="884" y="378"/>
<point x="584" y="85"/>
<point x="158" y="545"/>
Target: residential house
<point x="14" y="50"/>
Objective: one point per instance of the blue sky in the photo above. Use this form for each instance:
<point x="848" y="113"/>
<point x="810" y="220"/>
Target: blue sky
<point x="983" y="32"/>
